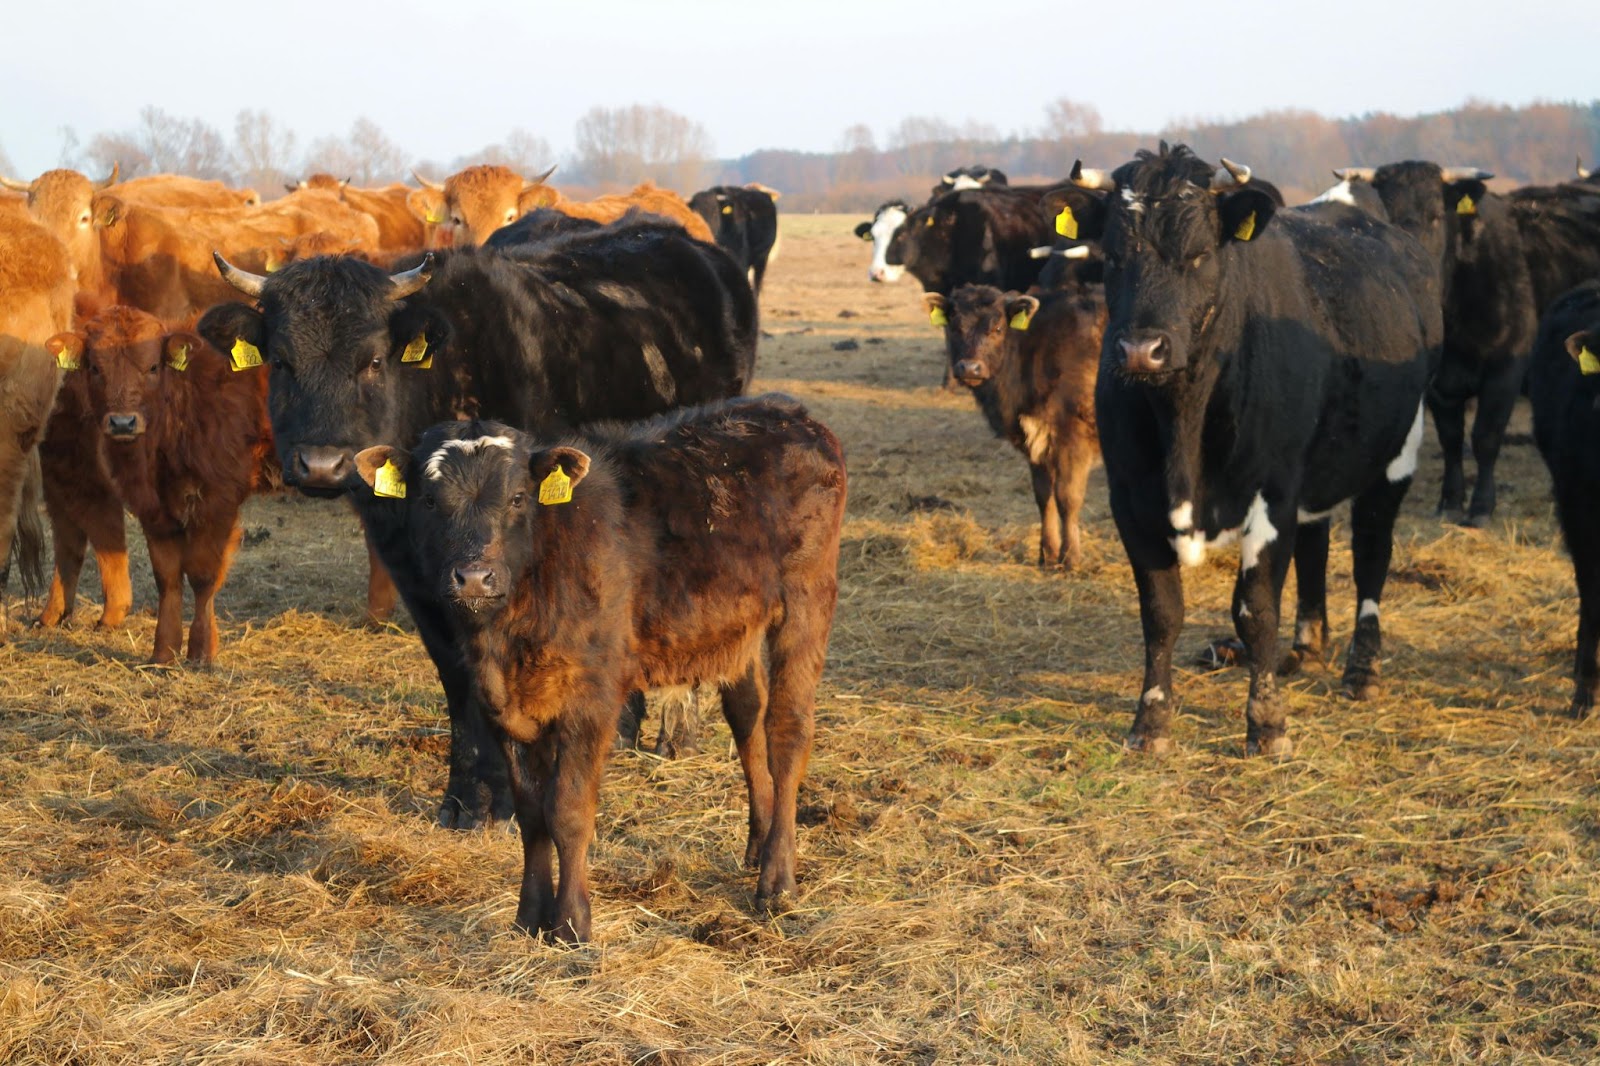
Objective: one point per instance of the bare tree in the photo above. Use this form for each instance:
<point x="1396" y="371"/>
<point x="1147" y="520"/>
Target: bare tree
<point x="522" y="151"/>
<point x="856" y="148"/>
<point x="367" y="156"/>
<point x="263" y="151"/>
<point x="624" y="145"/>
<point x="1066" y="119"/>
<point x="6" y="166"/>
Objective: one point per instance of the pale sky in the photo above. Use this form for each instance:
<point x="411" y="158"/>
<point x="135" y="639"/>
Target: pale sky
<point x="446" y="78"/>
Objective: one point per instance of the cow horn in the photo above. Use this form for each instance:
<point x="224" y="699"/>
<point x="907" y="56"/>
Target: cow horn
<point x="294" y="186"/>
<point x="426" y="184"/>
<point x="403" y="285"/>
<point x="15" y="185"/>
<point x="1464" y="174"/>
<point x="246" y="282"/>
<point x="1237" y="171"/>
<point x="1041" y="252"/>
<point x="1356" y="173"/>
<point x="1089" y="177"/>
<point x="542" y="178"/>
<point x="1582" y="173"/>
<point x="111" y="178"/>
<point x="1077" y="251"/>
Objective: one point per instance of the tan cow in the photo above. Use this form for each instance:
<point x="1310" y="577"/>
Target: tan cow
<point x="400" y="232"/>
<point x="176" y="190"/>
<point x="61" y="202"/>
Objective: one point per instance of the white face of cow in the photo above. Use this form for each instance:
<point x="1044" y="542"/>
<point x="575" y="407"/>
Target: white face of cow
<point x="884" y="225"/>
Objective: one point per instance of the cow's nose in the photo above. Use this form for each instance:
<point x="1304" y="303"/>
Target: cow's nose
<point x="473" y="581"/>
<point x="1144" y="355"/>
<point x="969" y="370"/>
<point x="319" y="468"/>
<point x="122" y="425"/>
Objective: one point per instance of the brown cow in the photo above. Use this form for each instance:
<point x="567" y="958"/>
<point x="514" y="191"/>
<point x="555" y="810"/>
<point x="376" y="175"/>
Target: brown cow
<point x="178" y="190"/>
<point x="474" y="202"/>
<point x="61" y="202"/>
<point x="1032" y="363"/>
<point x="664" y="554"/>
<point x="35" y="301"/>
<point x="181" y="424"/>
<point x="400" y="232"/>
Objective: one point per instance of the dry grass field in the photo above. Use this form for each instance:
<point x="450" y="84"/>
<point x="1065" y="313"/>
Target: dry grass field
<point x="240" y="866"/>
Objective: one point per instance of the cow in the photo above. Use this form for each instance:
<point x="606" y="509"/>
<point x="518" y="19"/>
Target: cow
<point x="699" y="547"/>
<point x="1489" y="313"/>
<point x="976" y="176"/>
<point x="886" y="222"/>
<point x="1564" y="385"/>
<point x="1560" y="230"/>
<point x="1031" y="363"/>
<point x="177" y="190"/>
<point x="85" y="511"/>
<point x="1259" y="367"/>
<point x="744" y="221"/>
<point x="62" y="202"/>
<point x="539" y="225"/>
<point x="180" y="423"/>
<point x="36" y="301"/>
<point x="623" y="322"/>
<point x="400" y="231"/>
<point x="471" y="204"/>
<point x="974" y="237"/>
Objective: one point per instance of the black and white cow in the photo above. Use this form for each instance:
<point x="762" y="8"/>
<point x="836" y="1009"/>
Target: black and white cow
<point x="974" y="237"/>
<point x="744" y="221"/>
<point x="886" y="222"/>
<point x="976" y="176"/>
<point x="1489" y="309"/>
<point x="1259" y="368"/>
<point x="1564" y="384"/>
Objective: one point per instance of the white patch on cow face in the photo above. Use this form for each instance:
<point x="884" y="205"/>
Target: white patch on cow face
<point x="884" y="226"/>
<point x="1258" y="532"/>
<point x="1339" y="194"/>
<point x="1037" y="436"/>
<point x="1134" y="201"/>
<point x="434" y="467"/>
<point x="1182" y="516"/>
<point x="660" y="376"/>
<point x="1404" y="465"/>
<point x="1369" y="609"/>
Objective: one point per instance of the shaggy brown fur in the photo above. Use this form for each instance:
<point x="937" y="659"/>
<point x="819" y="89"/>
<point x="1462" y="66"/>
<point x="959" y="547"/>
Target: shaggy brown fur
<point x="178" y="190"/>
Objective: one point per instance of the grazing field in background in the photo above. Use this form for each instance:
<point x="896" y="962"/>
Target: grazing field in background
<point x="240" y="865"/>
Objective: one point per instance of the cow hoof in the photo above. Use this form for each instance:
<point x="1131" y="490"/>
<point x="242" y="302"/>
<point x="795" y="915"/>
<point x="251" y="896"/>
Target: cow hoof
<point x="1148" y="745"/>
<point x="1279" y="747"/>
<point x="1475" y="521"/>
<point x="459" y="816"/>
<point x="775" y="905"/>
<point x="1582" y="706"/>
<point x="1451" y="513"/>
<point x="1366" y="688"/>
<point x="1220" y="654"/>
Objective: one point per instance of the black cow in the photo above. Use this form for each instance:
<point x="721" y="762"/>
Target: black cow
<point x="1564" y="384"/>
<point x="541" y="225"/>
<point x="1560" y="228"/>
<point x="974" y="237"/>
<point x="620" y="322"/>
<point x="976" y="176"/>
<point x="744" y="220"/>
<point x="1259" y="368"/>
<point x="1489" y="313"/>
<point x="1031" y="363"/>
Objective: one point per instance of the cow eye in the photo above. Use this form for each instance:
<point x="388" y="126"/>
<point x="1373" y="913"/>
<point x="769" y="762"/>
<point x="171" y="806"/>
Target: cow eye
<point x="455" y="220"/>
<point x="428" y="501"/>
<point x="518" y="500"/>
<point x="511" y="216"/>
<point x="376" y="364"/>
<point x="154" y="369"/>
<point x="83" y="219"/>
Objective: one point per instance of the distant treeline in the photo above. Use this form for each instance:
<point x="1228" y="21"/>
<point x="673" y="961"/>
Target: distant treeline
<point x="1294" y="149"/>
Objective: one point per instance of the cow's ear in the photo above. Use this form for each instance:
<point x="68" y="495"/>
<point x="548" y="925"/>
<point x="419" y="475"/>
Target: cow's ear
<point x="428" y="205"/>
<point x="180" y="348"/>
<point x="536" y="196"/>
<point x="225" y="325"/>
<point x="864" y="231"/>
<point x="1581" y="346"/>
<point x="1075" y="213"/>
<point x="1462" y="197"/>
<point x="556" y="472"/>
<point x="107" y="210"/>
<point x="67" y="348"/>
<point x="418" y="334"/>
<point x="1244" y="214"/>
<point x="381" y="467"/>
<point x="936" y="305"/>
<point x="1020" y="310"/>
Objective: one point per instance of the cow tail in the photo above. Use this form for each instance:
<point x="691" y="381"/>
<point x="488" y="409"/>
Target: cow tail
<point x="27" y="548"/>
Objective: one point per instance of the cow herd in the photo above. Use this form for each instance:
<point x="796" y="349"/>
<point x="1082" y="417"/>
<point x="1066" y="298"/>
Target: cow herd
<point x="536" y="406"/>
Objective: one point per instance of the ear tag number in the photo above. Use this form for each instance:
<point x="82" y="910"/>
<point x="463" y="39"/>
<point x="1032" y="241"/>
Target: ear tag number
<point x="1247" y="228"/>
<point x="1019" y="320"/>
<point x="1067" y="224"/>
<point x="178" y="358"/>
<point x="417" y="352"/>
<point x="557" y="488"/>
<point x="388" y="482"/>
<point x="937" y="316"/>
<point x="1465" y="206"/>
<point x="245" y="355"/>
<point x="1587" y="362"/>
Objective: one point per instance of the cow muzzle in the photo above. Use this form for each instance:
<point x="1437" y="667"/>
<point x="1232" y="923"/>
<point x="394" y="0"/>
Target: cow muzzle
<point x="319" y="471"/>
<point x="474" y="586"/>
<point x="1146" y="353"/>
<point x="120" y="425"/>
<point x="971" y="372"/>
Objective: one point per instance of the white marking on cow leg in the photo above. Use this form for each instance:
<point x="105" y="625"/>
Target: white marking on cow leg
<point x="433" y="468"/>
<point x="1257" y="532"/>
<point x="1244" y="610"/>
<point x="1405" y="464"/>
<point x="1369" y="609"/>
<point x="660" y="376"/>
<point x="1191" y="548"/>
<point x="1182" y="516"/>
<point x="1153" y="695"/>
<point x="750" y="276"/>
<point x="1339" y="194"/>
<point x="1037" y="436"/>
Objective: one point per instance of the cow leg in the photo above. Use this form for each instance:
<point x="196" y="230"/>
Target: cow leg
<point x="680" y="724"/>
<point x="381" y="592"/>
<point x="1449" y="419"/>
<point x="528" y="766"/>
<point x="478" y="791"/>
<point x="109" y="539"/>
<point x="1044" y="495"/>
<point x="206" y="559"/>
<point x="1311" y="587"/>
<point x="1495" y="402"/>
<point x="631" y="722"/>
<point x="69" y="541"/>
<point x="796" y="647"/>
<point x="1257" y="596"/>
<point x="1161" y="617"/>
<point x="1372" y="517"/>
<point x="166" y="561"/>
<point x="744" y="705"/>
<point x="1071" y="484"/>
<point x="1580" y="525"/>
<point x="570" y="802"/>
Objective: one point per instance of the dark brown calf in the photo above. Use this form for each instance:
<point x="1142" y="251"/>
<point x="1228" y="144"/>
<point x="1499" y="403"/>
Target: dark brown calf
<point x="180" y="429"/>
<point x="660" y="555"/>
<point x="1032" y="364"/>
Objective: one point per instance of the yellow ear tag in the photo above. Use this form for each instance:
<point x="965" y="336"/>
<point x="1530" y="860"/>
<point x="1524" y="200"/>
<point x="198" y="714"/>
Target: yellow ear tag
<point x="416" y="351"/>
<point x="936" y="315"/>
<point x="245" y="355"/>
<point x="557" y="488"/>
<point x="1587" y="362"/>
<point x="929" y="222"/>
<point x="1019" y="320"/>
<point x="66" y="360"/>
<point x="273" y="264"/>
<point x="1247" y="228"/>
<point x="178" y="358"/>
<point x="727" y="209"/>
<point x="1465" y="206"/>
<point x="433" y="219"/>
<point x="1067" y="223"/>
<point x="388" y="482"/>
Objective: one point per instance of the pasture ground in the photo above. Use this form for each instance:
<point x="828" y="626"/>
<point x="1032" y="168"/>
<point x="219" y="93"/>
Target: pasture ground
<point x="240" y="865"/>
